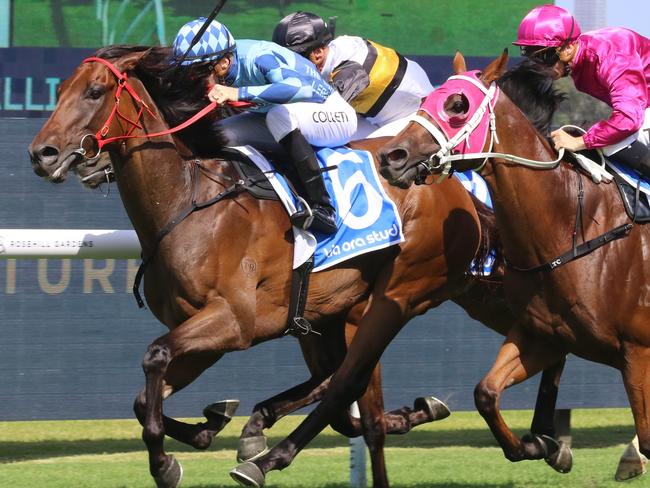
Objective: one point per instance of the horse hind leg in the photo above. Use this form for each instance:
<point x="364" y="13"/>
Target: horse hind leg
<point x="519" y="358"/>
<point x="218" y="415"/>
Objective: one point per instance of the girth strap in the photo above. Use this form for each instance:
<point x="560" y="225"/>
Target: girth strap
<point x="577" y="251"/>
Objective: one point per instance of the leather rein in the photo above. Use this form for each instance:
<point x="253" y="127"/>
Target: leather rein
<point x="441" y="163"/>
<point x="100" y="140"/>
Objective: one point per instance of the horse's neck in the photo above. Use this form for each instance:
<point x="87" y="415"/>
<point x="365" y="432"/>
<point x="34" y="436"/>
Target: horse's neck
<point x="535" y="209"/>
<point x="154" y="182"/>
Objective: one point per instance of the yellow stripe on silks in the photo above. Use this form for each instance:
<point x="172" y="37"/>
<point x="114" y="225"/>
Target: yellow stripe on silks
<point x="381" y="74"/>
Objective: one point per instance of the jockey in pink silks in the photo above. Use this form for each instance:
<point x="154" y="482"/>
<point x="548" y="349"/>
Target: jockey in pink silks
<point x="612" y="65"/>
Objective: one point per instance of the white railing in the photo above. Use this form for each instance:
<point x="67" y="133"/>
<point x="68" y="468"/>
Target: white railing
<point x="119" y="244"/>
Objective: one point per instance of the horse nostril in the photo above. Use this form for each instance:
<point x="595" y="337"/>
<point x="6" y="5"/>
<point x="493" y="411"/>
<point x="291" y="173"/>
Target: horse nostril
<point x="46" y="155"/>
<point x="397" y="157"/>
<point x="398" y="154"/>
<point x="49" y="151"/>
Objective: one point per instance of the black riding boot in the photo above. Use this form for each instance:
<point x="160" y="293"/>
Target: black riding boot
<point x="635" y="156"/>
<point x="304" y="159"/>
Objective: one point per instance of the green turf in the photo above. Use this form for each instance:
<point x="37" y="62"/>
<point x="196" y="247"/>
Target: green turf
<point x="457" y="452"/>
<point x="412" y="27"/>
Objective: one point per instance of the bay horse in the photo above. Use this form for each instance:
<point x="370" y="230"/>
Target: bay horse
<point x="220" y="281"/>
<point x="482" y="298"/>
<point x="595" y="306"/>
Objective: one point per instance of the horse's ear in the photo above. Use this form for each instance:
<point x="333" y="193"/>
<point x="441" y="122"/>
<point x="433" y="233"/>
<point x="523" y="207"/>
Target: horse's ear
<point x="459" y="63"/>
<point x="130" y="61"/>
<point x="496" y="68"/>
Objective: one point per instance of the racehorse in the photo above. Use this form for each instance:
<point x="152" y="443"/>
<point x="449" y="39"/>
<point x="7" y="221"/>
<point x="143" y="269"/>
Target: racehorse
<point x="595" y="306"/>
<point x="482" y="298"/>
<point x="220" y="280"/>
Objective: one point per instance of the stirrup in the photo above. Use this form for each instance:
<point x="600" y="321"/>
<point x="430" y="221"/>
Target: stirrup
<point x="302" y="218"/>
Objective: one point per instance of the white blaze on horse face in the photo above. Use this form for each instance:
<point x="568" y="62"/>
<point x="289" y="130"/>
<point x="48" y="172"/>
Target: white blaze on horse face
<point x="344" y="192"/>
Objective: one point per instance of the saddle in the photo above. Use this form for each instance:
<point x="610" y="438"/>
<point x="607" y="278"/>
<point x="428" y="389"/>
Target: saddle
<point x="636" y="198"/>
<point x="633" y="188"/>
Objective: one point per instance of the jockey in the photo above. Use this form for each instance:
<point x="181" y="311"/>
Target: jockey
<point x="611" y="64"/>
<point x="291" y="99"/>
<point x="383" y="86"/>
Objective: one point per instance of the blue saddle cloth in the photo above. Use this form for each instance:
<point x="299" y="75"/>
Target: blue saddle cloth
<point x="366" y="217"/>
<point x="476" y="185"/>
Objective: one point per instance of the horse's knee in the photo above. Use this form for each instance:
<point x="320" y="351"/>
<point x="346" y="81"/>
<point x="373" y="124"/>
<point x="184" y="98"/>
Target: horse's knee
<point x="485" y="398"/>
<point x="374" y="430"/>
<point x="140" y="406"/>
<point x="156" y="358"/>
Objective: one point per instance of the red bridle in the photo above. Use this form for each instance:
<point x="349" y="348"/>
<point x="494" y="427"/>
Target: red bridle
<point x="122" y="83"/>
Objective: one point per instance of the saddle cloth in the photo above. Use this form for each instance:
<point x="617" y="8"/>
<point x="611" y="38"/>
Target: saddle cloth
<point x="476" y="185"/>
<point x="367" y="219"/>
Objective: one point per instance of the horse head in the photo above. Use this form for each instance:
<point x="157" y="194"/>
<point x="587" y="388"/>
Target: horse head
<point x="89" y="108"/>
<point x="440" y="126"/>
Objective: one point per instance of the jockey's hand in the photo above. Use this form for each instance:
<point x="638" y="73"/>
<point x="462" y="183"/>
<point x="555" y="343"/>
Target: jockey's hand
<point x="222" y="94"/>
<point x="563" y="140"/>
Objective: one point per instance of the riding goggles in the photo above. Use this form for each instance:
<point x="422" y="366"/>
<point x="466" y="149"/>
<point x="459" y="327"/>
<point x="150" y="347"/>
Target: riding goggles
<point x="547" y="56"/>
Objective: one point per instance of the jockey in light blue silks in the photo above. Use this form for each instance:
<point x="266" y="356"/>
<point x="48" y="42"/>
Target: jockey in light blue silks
<point x="292" y="100"/>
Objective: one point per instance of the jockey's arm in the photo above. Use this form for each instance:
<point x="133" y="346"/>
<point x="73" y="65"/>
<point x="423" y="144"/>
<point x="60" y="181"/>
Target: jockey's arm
<point x="285" y="84"/>
<point x="349" y="79"/>
<point x="629" y="97"/>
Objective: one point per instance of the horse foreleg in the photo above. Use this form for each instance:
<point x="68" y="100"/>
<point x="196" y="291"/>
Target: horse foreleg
<point x="632" y="463"/>
<point x="559" y="456"/>
<point x="322" y="354"/>
<point x="378" y="327"/>
<point x="198" y="436"/>
<point x="637" y="384"/>
<point x="519" y="358"/>
<point x="202" y="338"/>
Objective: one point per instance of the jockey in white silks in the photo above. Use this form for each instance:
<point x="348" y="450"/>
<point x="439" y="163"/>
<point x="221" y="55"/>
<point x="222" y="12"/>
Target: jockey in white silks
<point x="384" y="87"/>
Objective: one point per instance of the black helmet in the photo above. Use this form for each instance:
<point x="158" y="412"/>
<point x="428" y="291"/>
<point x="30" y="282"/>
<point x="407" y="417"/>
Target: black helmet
<point x="302" y="32"/>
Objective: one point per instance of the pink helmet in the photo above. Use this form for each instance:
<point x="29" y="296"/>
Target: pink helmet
<point x="548" y="26"/>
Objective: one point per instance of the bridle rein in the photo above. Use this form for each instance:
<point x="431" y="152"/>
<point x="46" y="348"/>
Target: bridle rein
<point x="99" y="139"/>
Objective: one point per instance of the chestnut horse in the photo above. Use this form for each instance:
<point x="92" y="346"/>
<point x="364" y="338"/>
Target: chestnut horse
<point x="220" y="281"/>
<point x="482" y="298"/>
<point x="594" y="307"/>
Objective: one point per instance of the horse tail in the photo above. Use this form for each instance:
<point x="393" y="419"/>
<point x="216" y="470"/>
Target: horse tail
<point x="490" y="240"/>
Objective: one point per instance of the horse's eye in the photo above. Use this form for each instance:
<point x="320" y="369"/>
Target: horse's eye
<point x="94" y="93"/>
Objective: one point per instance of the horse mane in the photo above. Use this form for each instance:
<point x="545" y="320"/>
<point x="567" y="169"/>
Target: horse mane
<point x="178" y="93"/>
<point x="530" y="87"/>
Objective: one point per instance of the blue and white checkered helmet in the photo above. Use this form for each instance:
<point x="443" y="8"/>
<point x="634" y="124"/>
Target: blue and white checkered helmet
<point x="215" y="42"/>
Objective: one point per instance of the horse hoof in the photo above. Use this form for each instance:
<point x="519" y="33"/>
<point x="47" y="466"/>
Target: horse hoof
<point x="171" y="476"/>
<point x="561" y="459"/>
<point x="223" y="409"/>
<point x="248" y="474"/>
<point x="436" y="409"/>
<point x="250" y="448"/>
<point x="631" y="465"/>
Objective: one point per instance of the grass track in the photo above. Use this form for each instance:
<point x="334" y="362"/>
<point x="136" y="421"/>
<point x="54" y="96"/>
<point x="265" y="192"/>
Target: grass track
<point x="458" y="452"/>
